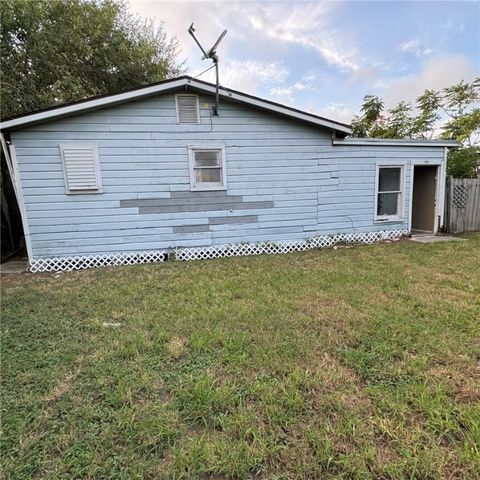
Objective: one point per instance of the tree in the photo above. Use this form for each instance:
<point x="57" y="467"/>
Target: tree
<point x="56" y="51"/>
<point x="452" y="113"/>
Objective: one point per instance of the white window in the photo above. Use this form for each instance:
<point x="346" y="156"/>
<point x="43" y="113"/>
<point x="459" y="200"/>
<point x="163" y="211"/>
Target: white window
<point x="81" y="168"/>
<point x="207" y="168"/>
<point x="187" y="108"/>
<point x="389" y="193"/>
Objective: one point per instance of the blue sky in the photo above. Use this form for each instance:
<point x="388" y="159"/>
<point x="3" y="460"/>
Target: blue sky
<point x="325" y="56"/>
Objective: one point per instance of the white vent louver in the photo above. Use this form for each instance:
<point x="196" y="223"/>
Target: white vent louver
<point x="187" y="109"/>
<point x="81" y="168"/>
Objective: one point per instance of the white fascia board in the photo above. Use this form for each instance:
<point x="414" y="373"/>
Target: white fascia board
<point x="91" y="104"/>
<point x="397" y="143"/>
<point x="268" y="106"/>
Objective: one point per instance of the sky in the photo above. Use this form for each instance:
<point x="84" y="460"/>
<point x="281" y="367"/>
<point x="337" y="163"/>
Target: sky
<point x="323" y="57"/>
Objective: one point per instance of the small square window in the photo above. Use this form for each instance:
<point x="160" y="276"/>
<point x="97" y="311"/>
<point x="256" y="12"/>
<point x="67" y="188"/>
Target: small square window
<point x="389" y="193"/>
<point x="207" y="168"/>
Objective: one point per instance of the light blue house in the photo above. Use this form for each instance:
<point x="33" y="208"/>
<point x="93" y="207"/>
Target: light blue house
<point x="136" y="176"/>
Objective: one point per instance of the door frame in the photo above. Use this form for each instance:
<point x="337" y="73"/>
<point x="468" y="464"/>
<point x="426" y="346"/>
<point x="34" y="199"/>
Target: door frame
<point x="440" y="186"/>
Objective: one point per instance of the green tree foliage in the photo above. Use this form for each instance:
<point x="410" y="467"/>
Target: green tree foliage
<point x="463" y="162"/>
<point x="452" y="113"/>
<point x="56" y="51"/>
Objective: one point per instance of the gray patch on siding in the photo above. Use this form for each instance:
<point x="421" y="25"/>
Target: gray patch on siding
<point x="207" y="207"/>
<point x="186" y="201"/>
<point x="191" y="228"/>
<point x="215" y="221"/>
<point x="239" y="219"/>
<point x="174" y="203"/>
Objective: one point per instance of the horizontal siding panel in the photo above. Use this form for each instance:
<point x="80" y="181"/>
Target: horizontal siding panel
<point x="382" y="149"/>
<point x="161" y="148"/>
<point x="193" y="218"/>
<point x="153" y="190"/>
<point x="279" y="140"/>
<point x="146" y="126"/>
<point x="94" y="218"/>
<point x="142" y="174"/>
<point x="374" y="155"/>
<point x="201" y="239"/>
<point x="113" y="233"/>
<point x="117" y="182"/>
<point x="111" y="163"/>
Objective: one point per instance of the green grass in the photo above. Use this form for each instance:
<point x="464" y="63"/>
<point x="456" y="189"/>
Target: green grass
<point x="352" y="363"/>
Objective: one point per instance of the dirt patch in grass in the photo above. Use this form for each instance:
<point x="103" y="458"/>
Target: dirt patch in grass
<point x="176" y="347"/>
<point x="464" y="381"/>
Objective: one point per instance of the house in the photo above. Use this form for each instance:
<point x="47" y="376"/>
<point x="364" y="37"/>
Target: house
<point x="138" y="175"/>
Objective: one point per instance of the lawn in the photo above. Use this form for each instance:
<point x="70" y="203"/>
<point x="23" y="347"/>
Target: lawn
<point x="359" y="362"/>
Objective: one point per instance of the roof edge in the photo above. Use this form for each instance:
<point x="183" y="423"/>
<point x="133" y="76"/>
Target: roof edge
<point x="232" y="94"/>
<point x="91" y="103"/>
<point x="395" y="142"/>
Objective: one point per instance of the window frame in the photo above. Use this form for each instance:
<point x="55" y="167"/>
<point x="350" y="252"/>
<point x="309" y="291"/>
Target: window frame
<point x="399" y="216"/>
<point x="96" y="161"/>
<point x="204" y="186"/>
<point x="198" y="108"/>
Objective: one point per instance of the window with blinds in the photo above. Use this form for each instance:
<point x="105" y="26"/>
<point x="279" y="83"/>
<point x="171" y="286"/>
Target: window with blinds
<point x="187" y="109"/>
<point x="207" y="168"/>
<point x="81" y="168"/>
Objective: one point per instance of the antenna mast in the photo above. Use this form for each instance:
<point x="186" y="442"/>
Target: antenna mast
<point x="212" y="55"/>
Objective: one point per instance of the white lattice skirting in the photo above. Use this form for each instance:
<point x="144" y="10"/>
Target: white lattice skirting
<point x="203" y="253"/>
<point x="59" y="264"/>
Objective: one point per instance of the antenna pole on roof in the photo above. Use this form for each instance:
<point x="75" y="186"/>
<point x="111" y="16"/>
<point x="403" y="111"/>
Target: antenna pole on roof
<point x="212" y="55"/>
<point x="217" y="95"/>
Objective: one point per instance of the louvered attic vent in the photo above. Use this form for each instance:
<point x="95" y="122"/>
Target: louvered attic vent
<point x="187" y="108"/>
<point x="81" y="168"/>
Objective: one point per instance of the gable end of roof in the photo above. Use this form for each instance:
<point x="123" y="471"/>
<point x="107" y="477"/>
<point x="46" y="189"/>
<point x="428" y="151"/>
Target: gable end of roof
<point x="165" y="86"/>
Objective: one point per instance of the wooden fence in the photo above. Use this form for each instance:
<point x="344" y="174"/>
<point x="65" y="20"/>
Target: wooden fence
<point x="462" y="205"/>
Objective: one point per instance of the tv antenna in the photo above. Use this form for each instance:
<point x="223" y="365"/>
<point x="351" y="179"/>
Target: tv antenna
<point x="212" y="55"/>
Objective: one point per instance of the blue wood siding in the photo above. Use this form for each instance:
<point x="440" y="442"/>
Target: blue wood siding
<point x="285" y="180"/>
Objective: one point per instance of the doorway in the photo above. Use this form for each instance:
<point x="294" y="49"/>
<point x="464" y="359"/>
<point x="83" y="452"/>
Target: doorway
<point x="424" y="198"/>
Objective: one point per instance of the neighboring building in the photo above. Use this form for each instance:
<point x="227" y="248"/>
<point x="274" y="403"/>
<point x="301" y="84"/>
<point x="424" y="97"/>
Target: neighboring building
<point x="129" y="177"/>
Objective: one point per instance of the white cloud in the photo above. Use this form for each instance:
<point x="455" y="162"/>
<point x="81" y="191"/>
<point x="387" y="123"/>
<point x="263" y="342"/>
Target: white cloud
<point x="303" y="24"/>
<point x="286" y="92"/>
<point x="306" y="25"/>
<point x="209" y="19"/>
<point x="416" y="47"/>
<point x="299" y="86"/>
<point x="436" y="74"/>
<point x="248" y="75"/>
<point x="309" y="77"/>
<point x="341" y="112"/>
<point x="281" y="90"/>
